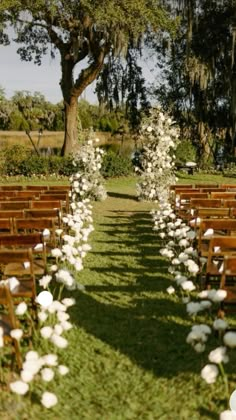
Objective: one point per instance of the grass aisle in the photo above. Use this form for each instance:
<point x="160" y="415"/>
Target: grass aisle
<point x="132" y="361"/>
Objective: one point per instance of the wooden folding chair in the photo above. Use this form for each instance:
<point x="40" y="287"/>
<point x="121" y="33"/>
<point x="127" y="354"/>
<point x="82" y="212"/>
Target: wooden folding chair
<point x="8" y="321"/>
<point x="32" y="225"/>
<point x="220" y="227"/>
<point x="6" y="225"/>
<point x="33" y="240"/>
<point x="219" y="247"/>
<point x="61" y="196"/>
<point x="45" y="213"/>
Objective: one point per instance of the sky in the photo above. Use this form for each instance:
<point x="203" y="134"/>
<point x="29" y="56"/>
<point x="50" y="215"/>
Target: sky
<point x="17" y="75"/>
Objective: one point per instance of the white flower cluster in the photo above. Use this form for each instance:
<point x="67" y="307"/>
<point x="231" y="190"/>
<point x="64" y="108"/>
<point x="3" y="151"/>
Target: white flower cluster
<point x="37" y="367"/>
<point x="159" y="136"/>
<point x="87" y="182"/>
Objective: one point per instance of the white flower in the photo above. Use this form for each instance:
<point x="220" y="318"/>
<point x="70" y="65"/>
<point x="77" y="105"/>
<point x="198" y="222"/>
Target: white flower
<point x="59" y="341"/>
<point x="66" y="325"/>
<point x="228" y="415"/>
<point x="45" y="280"/>
<point x="47" y="374"/>
<point x="230" y="339"/>
<point x="199" y="347"/>
<point x="209" y="373"/>
<point x="220" y="324"/>
<point x="193" y="308"/>
<point x="188" y="285"/>
<point x="32" y="355"/>
<point x="44" y="298"/>
<point x="26" y="376"/>
<point x="205" y="304"/>
<point x="218" y="355"/>
<point x="58" y="329"/>
<point x="42" y="316"/>
<point x="56" y="253"/>
<point x="68" y="302"/>
<point x="49" y="399"/>
<point x="32" y="366"/>
<point x="21" y="308"/>
<point x="217" y="295"/>
<point x="63" y="370"/>
<point x="232" y="402"/>
<point x="50" y="359"/>
<point x="62" y="316"/>
<point x="19" y="387"/>
<point x="170" y="290"/>
<point x="46" y="332"/>
<point x="16" y="333"/>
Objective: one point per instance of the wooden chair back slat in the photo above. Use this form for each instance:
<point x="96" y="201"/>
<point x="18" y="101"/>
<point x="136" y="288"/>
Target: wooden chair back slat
<point x="55" y="204"/>
<point x="213" y="212"/>
<point x="6" y="214"/>
<point x="14" y="205"/>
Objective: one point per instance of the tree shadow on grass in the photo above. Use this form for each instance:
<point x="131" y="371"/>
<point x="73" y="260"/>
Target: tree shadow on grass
<point x="121" y="195"/>
<point x="130" y="310"/>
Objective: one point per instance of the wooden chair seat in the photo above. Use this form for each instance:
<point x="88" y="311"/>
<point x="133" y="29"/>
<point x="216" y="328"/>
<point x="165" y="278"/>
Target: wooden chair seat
<point x="18" y="270"/>
<point x="33" y="240"/>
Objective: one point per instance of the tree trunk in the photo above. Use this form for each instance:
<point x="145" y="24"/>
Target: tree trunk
<point x="72" y="91"/>
<point x="71" y="129"/>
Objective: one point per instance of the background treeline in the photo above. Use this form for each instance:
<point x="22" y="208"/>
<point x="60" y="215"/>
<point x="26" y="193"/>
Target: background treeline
<point x="29" y="112"/>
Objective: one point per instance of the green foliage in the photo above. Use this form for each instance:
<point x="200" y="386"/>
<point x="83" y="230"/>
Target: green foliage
<point x="185" y="152"/>
<point x="19" y="160"/>
<point x="115" y="165"/>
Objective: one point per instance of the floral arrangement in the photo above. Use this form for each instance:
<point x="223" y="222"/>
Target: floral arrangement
<point x="87" y="182"/>
<point x="159" y="136"/>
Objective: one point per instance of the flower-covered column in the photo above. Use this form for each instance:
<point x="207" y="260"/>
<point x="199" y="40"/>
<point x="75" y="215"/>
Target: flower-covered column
<point x="159" y="136"/>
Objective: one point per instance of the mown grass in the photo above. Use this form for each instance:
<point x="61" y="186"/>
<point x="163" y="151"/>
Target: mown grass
<point x="128" y="356"/>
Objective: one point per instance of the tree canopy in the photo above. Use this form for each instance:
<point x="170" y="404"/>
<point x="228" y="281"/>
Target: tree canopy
<point x="83" y="31"/>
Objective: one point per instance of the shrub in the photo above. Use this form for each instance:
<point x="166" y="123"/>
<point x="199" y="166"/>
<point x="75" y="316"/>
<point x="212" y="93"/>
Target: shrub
<point x="115" y="165"/>
<point x="19" y="160"/>
<point x="12" y="158"/>
<point x="185" y="152"/>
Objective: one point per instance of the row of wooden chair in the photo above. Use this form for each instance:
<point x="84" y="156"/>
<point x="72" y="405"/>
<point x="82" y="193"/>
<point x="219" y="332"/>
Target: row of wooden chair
<point x="23" y="249"/>
<point x="35" y="187"/>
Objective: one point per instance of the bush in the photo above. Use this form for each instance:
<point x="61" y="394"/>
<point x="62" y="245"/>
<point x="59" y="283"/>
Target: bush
<point x="115" y="165"/>
<point x="19" y="160"/>
<point x="185" y="152"/>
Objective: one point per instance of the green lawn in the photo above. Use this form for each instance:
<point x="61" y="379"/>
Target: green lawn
<point x="128" y="357"/>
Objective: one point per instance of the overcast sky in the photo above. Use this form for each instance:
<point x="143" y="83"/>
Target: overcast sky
<point x="17" y="75"/>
